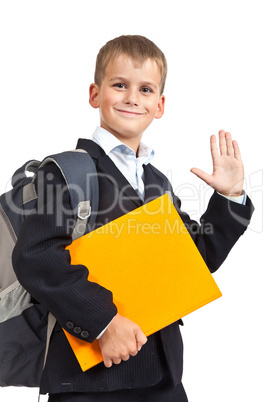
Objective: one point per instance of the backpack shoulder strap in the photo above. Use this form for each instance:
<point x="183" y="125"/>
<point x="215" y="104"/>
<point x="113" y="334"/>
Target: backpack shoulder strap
<point x="20" y="174"/>
<point x="80" y="175"/>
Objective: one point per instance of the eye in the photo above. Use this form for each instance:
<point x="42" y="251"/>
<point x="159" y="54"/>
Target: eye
<point x="120" y="85"/>
<point x="146" y="90"/>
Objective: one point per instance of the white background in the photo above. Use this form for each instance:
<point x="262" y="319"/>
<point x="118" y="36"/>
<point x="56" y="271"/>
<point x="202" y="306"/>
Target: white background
<point x="217" y="57"/>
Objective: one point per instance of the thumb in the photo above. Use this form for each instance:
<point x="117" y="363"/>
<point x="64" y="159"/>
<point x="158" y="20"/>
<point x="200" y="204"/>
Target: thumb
<point x="207" y="178"/>
<point x="141" y="339"/>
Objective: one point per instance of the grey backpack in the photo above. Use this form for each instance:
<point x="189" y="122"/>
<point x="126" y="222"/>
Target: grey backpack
<point x="26" y="327"/>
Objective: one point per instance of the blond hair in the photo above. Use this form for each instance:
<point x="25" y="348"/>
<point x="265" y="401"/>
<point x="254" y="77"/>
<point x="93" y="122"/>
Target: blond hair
<point x="138" y="48"/>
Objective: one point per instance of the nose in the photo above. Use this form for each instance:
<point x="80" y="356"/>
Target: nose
<point x="131" y="97"/>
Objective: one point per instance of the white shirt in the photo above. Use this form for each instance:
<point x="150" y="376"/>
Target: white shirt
<point x="129" y="164"/>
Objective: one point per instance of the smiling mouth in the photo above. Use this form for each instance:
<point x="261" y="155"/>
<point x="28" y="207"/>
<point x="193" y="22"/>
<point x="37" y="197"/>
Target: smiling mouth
<point x="129" y="112"/>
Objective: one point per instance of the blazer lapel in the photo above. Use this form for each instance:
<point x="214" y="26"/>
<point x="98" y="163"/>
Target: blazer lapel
<point x="106" y="166"/>
<point x="154" y="184"/>
<point x="113" y="174"/>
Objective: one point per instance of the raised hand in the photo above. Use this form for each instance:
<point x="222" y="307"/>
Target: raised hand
<point x="228" y="170"/>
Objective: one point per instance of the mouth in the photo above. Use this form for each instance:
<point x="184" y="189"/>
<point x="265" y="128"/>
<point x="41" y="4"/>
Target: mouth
<point x="129" y="113"/>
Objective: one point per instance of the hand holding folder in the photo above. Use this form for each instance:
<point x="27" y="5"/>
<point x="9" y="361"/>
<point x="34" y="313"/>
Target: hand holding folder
<point x="151" y="264"/>
<point x="123" y="338"/>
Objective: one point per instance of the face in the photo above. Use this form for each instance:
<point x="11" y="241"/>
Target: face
<point x="129" y="98"/>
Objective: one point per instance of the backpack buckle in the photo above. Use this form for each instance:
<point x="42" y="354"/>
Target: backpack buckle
<point x="84" y="210"/>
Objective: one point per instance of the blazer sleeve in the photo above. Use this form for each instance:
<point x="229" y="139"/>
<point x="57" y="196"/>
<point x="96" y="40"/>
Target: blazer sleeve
<point x="220" y="227"/>
<point x="43" y="267"/>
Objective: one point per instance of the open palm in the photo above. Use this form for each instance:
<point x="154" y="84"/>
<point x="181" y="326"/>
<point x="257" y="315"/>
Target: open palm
<point x="228" y="170"/>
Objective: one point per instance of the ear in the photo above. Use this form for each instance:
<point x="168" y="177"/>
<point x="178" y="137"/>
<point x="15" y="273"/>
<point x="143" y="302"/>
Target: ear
<point x="94" y="96"/>
<point x="160" y="108"/>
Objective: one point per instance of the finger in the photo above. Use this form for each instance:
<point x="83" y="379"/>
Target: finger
<point x="237" y="153"/>
<point x="108" y="363"/>
<point x="125" y="358"/>
<point x="140" y="339"/>
<point x="213" y="147"/>
<point x="230" y="148"/>
<point x="117" y="360"/>
<point x="134" y="352"/>
<point x="207" y="178"/>
<point x="222" y="142"/>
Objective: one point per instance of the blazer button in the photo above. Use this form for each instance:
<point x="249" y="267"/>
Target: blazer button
<point x="69" y="324"/>
<point x="85" y="334"/>
<point x="77" y="330"/>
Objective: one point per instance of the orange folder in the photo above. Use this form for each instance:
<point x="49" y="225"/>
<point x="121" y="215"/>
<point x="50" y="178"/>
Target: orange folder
<point x="149" y="261"/>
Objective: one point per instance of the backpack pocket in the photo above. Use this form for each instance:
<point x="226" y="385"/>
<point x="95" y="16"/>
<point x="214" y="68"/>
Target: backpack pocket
<point x="22" y="347"/>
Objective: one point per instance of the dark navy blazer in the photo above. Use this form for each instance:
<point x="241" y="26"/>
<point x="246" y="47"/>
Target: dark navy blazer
<point x="84" y="308"/>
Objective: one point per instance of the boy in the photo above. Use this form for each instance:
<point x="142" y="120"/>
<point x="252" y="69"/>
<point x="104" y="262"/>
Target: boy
<point x="128" y="91"/>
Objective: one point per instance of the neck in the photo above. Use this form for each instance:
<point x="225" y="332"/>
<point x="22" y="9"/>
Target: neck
<point x="131" y="142"/>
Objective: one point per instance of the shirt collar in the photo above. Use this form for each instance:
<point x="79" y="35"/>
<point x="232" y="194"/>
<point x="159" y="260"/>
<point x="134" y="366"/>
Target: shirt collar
<point x="109" y="143"/>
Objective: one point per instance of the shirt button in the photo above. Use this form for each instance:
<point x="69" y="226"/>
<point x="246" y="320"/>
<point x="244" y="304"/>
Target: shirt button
<point x="85" y="334"/>
<point x="69" y="324"/>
